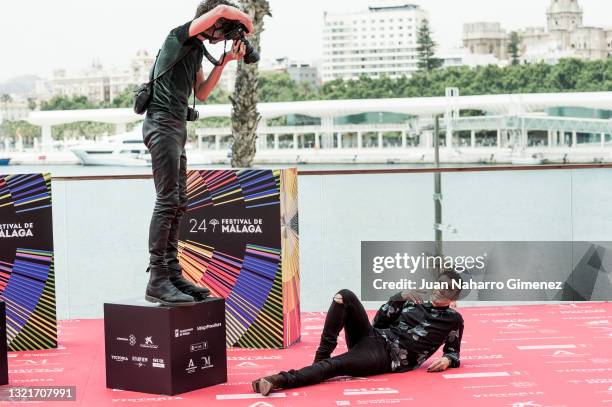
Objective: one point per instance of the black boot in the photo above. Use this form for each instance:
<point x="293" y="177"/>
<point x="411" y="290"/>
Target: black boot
<point x="162" y="291"/>
<point x="265" y="385"/>
<point x="184" y="286"/>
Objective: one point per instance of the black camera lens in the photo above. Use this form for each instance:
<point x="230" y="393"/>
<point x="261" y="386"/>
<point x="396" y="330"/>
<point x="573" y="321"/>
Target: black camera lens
<point x="251" y="55"/>
<point x="234" y="30"/>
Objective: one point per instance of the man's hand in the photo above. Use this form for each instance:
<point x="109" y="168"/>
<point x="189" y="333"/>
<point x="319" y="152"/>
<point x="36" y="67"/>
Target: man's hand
<point x="237" y="52"/>
<point x="439" y="365"/>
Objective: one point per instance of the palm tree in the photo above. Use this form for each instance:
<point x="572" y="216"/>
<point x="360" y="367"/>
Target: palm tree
<point x="6" y="99"/>
<point x="245" y="116"/>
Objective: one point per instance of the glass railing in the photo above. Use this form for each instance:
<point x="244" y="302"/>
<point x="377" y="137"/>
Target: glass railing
<point x="101" y="224"/>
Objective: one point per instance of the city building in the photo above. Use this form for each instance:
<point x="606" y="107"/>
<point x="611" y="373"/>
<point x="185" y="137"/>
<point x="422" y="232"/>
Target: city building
<point x="300" y="72"/>
<point x="565" y="36"/>
<point x="96" y="83"/>
<point x="463" y="57"/>
<point x="381" y="40"/>
<point x="14" y="107"/>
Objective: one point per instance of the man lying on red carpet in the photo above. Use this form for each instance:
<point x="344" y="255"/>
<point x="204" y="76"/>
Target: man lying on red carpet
<point x="404" y="333"/>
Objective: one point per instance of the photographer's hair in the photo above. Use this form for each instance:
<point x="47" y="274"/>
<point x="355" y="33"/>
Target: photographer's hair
<point x="454" y="291"/>
<point x="207" y="5"/>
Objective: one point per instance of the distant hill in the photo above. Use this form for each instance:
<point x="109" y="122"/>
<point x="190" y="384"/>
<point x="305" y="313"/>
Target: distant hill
<point x="24" y="84"/>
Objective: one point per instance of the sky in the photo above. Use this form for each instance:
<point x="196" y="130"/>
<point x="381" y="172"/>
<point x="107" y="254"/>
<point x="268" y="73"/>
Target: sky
<point x="38" y="36"/>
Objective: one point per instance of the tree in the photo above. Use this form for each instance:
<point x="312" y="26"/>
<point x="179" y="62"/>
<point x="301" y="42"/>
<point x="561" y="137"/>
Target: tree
<point x="245" y="117"/>
<point x="125" y="98"/>
<point x="514" y="48"/>
<point x="427" y="49"/>
<point x="5" y="99"/>
<point x="68" y="103"/>
<point x="12" y="130"/>
<point x="32" y="103"/>
<point x="279" y="87"/>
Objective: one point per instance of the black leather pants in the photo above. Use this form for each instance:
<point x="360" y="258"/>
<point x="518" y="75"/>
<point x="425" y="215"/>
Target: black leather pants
<point x="165" y="137"/>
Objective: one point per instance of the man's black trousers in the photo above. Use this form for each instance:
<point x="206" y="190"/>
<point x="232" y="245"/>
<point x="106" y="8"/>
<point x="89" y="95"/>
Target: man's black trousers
<point x="367" y="354"/>
<point x="165" y="137"/>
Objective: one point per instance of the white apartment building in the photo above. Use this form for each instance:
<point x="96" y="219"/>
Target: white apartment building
<point x="381" y="40"/>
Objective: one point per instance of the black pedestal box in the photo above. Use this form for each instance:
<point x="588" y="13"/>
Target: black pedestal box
<point x="165" y="350"/>
<point x="3" y="358"/>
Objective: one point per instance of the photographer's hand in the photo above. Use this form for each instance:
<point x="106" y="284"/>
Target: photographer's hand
<point x="205" y="86"/>
<point x="237" y="52"/>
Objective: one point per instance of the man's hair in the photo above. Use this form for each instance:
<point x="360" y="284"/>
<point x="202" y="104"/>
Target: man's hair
<point x="452" y="293"/>
<point x="207" y="5"/>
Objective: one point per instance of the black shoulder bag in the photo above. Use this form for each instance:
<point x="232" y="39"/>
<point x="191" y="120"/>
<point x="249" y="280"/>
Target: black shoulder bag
<point x="143" y="94"/>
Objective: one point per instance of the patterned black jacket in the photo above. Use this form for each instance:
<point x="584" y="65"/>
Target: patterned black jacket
<point x="415" y="331"/>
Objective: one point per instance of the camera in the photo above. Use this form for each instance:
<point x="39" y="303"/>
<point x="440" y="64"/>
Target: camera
<point x="192" y="114"/>
<point x="234" y="30"/>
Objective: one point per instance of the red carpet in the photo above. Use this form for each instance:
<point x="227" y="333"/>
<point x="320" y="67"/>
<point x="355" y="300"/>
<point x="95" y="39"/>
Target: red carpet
<point x="549" y="355"/>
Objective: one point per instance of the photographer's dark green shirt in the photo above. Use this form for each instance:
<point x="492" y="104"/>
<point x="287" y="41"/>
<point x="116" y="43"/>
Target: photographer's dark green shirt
<point x="171" y="92"/>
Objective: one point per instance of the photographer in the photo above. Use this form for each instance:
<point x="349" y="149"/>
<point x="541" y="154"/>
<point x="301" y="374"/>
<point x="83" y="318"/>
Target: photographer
<point x="177" y="73"/>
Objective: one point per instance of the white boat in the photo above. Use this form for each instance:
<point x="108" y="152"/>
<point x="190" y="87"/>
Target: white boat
<point x="534" y="159"/>
<point x="125" y="149"/>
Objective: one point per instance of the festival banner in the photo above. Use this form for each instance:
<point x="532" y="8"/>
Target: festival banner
<point x="239" y="238"/>
<point x="27" y="277"/>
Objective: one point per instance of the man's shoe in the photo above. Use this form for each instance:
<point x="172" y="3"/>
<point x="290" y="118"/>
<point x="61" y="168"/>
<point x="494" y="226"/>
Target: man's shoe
<point x="265" y="385"/>
<point x="161" y="290"/>
<point x="198" y="293"/>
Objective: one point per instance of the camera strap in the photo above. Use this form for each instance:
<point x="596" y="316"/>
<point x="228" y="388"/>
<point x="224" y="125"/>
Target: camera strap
<point x="165" y="71"/>
<point x="195" y="82"/>
<point x="212" y="59"/>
